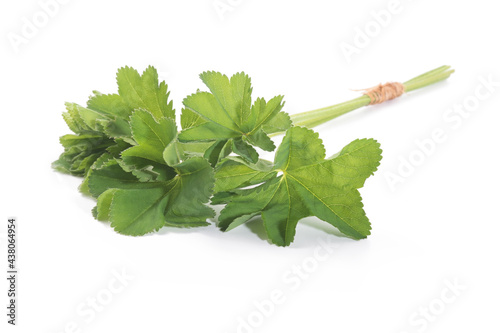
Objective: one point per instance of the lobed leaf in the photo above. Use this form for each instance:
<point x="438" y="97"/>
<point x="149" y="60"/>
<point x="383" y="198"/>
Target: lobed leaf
<point x="226" y="115"/>
<point x="145" y="92"/>
<point x="309" y="185"/>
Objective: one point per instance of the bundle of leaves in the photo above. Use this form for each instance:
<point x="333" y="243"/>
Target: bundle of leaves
<point x="146" y="174"/>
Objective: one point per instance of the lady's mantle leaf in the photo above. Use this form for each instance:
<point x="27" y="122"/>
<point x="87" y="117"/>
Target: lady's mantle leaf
<point x="309" y="185"/>
<point x="152" y="136"/>
<point x="145" y="92"/>
<point x="227" y="113"/>
<point x="103" y="126"/>
<point x="173" y="193"/>
<point x="137" y="208"/>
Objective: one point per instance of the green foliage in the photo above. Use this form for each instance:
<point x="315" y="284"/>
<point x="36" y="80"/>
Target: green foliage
<point x="145" y="175"/>
<point x="175" y="194"/>
<point x="226" y="115"/>
<point x="301" y="183"/>
<point x="103" y="126"/>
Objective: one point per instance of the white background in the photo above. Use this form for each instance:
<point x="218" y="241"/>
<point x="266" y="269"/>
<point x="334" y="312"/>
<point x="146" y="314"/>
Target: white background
<point x="439" y="226"/>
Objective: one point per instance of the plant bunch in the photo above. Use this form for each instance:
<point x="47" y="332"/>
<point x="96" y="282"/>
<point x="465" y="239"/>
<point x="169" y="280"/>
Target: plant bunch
<point x="146" y="173"/>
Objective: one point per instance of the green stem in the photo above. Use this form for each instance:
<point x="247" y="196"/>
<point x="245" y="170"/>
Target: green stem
<point x="320" y="116"/>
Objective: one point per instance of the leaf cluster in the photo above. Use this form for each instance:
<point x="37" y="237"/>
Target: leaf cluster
<point x="145" y="173"/>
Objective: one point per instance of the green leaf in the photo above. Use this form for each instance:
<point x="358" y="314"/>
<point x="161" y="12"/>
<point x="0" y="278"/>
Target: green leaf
<point x="80" y="152"/>
<point x="146" y="170"/>
<point x="111" y="175"/>
<point x="190" y="119"/>
<point x="173" y="154"/>
<point x="145" y="92"/>
<point x="217" y="151"/>
<point x="280" y="123"/>
<point x="152" y="136"/>
<point x="228" y="113"/>
<point x="99" y="163"/>
<point x="83" y="120"/>
<point x="91" y="118"/>
<point x="309" y="185"/>
<point x="86" y="141"/>
<point x="246" y="151"/>
<point x="111" y="104"/>
<point x="104" y="114"/>
<point x="233" y="96"/>
<point x="102" y="210"/>
<point x="137" y="212"/>
<point x="193" y="189"/>
<point x="116" y="129"/>
<point x="263" y="113"/>
<point x="73" y="119"/>
<point x="116" y="149"/>
<point x="136" y="208"/>
<point x="260" y="139"/>
<point x="234" y="172"/>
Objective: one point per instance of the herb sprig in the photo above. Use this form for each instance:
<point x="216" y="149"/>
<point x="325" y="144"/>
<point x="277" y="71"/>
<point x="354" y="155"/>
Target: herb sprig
<point x="146" y="174"/>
